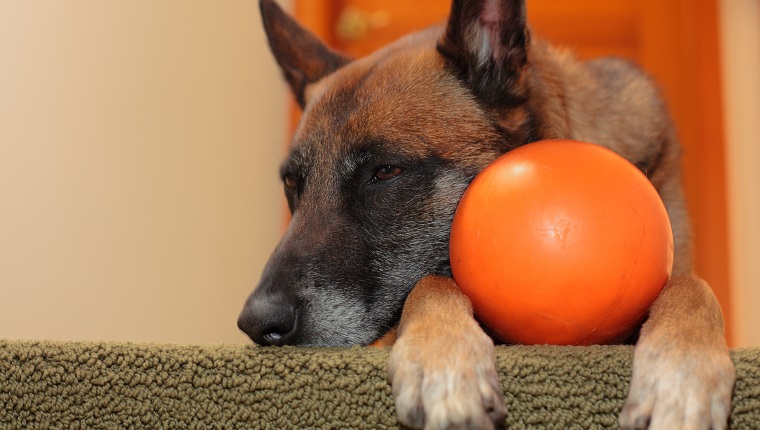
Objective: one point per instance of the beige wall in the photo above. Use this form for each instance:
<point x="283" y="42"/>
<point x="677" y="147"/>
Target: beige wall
<point x="139" y="146"/>
<point x="740" y="32"/>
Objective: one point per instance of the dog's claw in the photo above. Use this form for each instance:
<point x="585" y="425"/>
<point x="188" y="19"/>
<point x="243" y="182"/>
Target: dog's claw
<point x="444" y="383"/>
<point x="677" y="389"/>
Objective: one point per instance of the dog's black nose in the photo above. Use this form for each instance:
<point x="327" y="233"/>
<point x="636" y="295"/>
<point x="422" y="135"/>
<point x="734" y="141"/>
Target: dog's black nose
<point x="269" y="320"/>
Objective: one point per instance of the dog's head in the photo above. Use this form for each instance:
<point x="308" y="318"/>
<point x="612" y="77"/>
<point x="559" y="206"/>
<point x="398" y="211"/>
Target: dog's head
<point x="385" y="148"/>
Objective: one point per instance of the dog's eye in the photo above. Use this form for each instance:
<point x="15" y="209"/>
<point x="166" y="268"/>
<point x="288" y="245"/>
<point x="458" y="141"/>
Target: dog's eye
<point x="290" y="181"/>
<point x="387" y="172"/>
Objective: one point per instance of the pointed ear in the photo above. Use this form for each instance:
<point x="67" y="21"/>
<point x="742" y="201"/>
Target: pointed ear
<point x="303" y="58"/>
<point x="487" y="41"/>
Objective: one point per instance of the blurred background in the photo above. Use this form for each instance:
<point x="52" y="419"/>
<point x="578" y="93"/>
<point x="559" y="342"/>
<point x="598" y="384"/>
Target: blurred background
<point x="140" y="143"/>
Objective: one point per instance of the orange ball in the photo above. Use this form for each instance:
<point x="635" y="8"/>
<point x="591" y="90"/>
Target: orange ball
<point x="561" y="242"/>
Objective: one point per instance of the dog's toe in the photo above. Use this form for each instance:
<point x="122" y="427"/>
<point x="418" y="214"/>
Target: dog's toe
<point x="671" y="412"/>
<point x="407" y="383"/>
<point x="490" y="392"/>
<point x="457" y="400"/>
<point x="636" y="413"/>
<point x="721" y="410"/>
<point x="450" y="391"/>
<point x="677" y="389"/>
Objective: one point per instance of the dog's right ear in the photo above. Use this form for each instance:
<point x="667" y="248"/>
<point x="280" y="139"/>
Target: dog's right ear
<point x="303" y="58"/>
<point x="486" y="41"/>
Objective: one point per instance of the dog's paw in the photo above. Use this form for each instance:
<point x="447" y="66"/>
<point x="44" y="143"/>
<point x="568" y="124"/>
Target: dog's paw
<point x="446" y="382"/>
<point x="679" y="388"/>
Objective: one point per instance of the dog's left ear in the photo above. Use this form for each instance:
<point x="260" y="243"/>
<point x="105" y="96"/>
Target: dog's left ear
<point x="487" y="42"/>
<point x="303" y="58"/>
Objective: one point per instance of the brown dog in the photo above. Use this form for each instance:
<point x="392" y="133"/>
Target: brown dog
<point x="386" y="147"/>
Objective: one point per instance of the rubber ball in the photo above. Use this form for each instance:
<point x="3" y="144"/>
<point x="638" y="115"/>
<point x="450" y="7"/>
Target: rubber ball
<point x="561" y="242"/>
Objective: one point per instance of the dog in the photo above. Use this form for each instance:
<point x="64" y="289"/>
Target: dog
<point x="386" y="147"/>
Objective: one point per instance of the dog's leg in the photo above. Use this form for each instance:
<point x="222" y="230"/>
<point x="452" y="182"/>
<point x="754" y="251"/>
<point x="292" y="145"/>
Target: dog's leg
<point x="683" y="375"/>
<point x="442" y="367"/>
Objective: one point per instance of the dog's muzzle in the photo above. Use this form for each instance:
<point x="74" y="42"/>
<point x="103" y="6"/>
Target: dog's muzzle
<point x="269" y="320"/>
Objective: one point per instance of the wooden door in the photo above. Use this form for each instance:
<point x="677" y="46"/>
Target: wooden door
<point x="676" y="41"/>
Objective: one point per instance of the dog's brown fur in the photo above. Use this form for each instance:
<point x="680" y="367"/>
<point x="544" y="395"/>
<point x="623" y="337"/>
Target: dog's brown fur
<point x="462" y="95"/>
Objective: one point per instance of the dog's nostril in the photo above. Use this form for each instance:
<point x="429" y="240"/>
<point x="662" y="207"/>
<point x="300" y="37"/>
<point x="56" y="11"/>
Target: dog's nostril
<point x="268" y="321"/>
<point x="280" y="328"/>
<point x="272" y="337"/>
